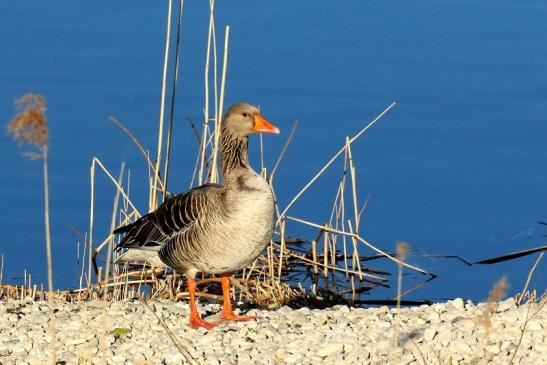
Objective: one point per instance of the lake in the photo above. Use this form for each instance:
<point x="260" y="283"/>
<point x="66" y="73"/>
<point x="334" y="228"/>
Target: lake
<point x="457" y="167"/>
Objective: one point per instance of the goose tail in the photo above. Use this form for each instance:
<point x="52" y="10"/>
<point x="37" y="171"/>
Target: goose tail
<point x="136" y="255"/>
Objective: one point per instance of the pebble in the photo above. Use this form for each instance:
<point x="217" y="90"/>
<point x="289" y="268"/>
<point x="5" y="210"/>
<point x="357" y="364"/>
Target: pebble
<point x="441" y="333"/>
<point x="330" y="349"/>
<point x="534" y="325"/>
<point x="506" y="305"/>
<point x="458" y="303"/>
<point x="429" y="333"/>
<point x="462" y="347"/>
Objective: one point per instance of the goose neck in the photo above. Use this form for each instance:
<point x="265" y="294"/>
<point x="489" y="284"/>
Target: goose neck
<point x="234" y="153"/>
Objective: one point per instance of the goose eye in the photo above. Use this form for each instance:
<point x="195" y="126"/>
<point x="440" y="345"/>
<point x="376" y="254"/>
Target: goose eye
<point x="245" y="115"/>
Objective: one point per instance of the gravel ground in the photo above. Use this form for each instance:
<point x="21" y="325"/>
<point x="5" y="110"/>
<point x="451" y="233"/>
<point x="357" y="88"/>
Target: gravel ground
<point x="129" y="333"/>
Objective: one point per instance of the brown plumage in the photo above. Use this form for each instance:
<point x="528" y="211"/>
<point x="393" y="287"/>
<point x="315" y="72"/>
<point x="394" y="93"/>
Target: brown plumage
<point x="214" y="228"/>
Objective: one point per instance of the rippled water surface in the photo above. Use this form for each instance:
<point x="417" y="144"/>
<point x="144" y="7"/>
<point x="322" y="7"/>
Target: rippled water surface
<point x="456" y="168"/>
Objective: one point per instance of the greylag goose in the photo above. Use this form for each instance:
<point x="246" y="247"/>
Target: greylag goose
<point x="215" y="229"/>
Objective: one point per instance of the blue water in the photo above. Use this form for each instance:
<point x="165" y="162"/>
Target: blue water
<point x="457" y="167"/>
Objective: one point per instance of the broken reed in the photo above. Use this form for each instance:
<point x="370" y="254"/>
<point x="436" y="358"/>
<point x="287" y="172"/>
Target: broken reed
<point x="30" y="126"/>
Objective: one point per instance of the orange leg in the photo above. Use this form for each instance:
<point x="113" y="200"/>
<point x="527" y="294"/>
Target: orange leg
<point x="227" y="311"/>
<point x="195" y="320"/>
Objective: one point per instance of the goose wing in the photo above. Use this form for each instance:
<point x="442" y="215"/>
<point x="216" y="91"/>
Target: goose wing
<point x="173" y="217"/>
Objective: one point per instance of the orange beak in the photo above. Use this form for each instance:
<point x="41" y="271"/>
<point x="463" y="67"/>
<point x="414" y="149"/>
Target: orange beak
<point x="263" y="126"/>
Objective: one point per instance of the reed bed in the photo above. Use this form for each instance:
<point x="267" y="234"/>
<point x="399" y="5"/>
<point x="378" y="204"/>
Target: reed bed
<point x="331" y="265"/>
<point x="328" y="267"/>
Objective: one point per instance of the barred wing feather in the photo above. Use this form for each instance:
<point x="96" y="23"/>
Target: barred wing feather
<point x="173" y="217"/>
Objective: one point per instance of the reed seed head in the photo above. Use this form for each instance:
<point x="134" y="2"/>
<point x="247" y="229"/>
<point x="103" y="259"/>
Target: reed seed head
<point x="402" y="250"/>
<point x="30" y="124"/>
<point x="498" y="291"/>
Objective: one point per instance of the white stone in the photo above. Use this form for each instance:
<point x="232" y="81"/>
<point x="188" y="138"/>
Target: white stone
<point x="534" y="325"/>
<point x="458" y="304"/>
<point x="75" y="341"/>
<point x="330" y="349"/>
<point x="429" y="333"/>
<point x="466" y="323"/>
<point x="4" y="351"/>
<point x="506" y="305"/>
<point x="118" y="358"/>
<point x="304" y="336"/>
<point x="281" y="354"/>
<point x="462" y="347"/>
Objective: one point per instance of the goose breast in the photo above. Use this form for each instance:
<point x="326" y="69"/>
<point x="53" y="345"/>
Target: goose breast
<point x="231" y="237"/>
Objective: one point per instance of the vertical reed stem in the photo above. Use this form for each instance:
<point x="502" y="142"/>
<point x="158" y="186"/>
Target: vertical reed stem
<point x="91" y="211"/>
<point x="173" y="97"/>
<point x="49" y="259"/>
<point x="214" y="174"/>
<point x="112" y="225"/>
<point x="206" y="106"/>
<point x="326" y="252"/>
<point x="281" y="250"/>
<point x="154" y="203"/>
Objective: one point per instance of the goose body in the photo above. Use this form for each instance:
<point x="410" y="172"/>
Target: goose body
<point x="216" y="229"/>
<point x="225" y="236"/>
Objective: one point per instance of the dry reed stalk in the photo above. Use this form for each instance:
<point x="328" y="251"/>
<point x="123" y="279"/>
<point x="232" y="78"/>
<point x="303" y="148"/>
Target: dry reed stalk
<point x="176" y="341"/>
<point x="211" y="44"/>
<point x="314" y="256"/>
<point x="154" y="189"/>
<point x="353" y="185"/>
<point x="216" y="152"/>
<point x="355" y="257"/>
<point x="206" y="103"/>
<point x="218" y="113"/>
<point x="116" y="184"/>
<point x="325" y="252"/>
<point x="112" y="226"/>
<point x="83" y="261"/>
<point x="318" y="263"/>
<point x="173" y="98"/>
<point x="30" y="126"/>
<point x="336" y="155"/>
<point x="519" y="296"/>
<point x="261" y="149"/>
<point x="139" y="146"/>
<point x="91" y="215"/>
<point x="283" y="247"/>
<point x="338" y="213"/>
<point x="1" y="271"/>
<point x="518" y="301"/>
<point x="402" y="249"/>
<point x="282" y="153"/>
<point x="526" y="321"/>
<point x="402" y="252"/>
<point x="359" y="238"/>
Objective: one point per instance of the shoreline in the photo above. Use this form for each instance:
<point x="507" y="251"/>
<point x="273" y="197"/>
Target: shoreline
<point x="130" y="332"/>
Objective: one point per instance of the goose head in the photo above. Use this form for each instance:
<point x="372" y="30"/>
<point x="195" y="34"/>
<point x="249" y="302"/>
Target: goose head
<point x="243" y="119"/>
